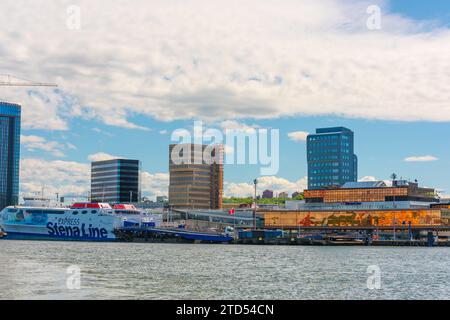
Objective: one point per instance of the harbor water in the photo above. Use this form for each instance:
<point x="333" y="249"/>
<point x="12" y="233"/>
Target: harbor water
<point x="45" y="270"/>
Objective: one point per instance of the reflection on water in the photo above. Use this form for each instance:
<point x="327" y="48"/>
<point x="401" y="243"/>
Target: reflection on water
<point x="38" y="270"/>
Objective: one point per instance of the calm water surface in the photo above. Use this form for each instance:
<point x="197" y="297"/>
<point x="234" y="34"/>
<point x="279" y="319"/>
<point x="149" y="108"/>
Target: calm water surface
<point x="38" y="270"/>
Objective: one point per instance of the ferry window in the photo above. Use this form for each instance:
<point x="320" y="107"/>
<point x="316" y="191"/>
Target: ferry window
<point x="75" y="212"/>
<point x="94" y="211"/>
<point x="12" y="210"/>
<point x="84" y="211"/>
<point x="33" y="211"/>
<point x="50" y="211"/>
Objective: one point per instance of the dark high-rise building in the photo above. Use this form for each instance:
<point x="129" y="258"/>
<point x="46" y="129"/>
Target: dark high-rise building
<point x="116" y="181"/>
<point x="331" y="158"/>
<point x="9" y="153"/>
<point x="195" y="182"/>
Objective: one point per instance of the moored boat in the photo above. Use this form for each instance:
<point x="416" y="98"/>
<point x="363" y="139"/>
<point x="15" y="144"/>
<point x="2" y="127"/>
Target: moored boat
<point x="80" y="222"/>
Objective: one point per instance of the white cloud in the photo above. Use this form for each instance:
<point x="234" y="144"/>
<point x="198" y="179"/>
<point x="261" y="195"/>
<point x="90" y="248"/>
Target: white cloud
<point x="233" y="125"/>
<point x="222" y="60"/>
<point x="155" y="184"/>
<point x="368" y="178"/>
<point x="32" y="143"/>
<point x="372" y="178"/>
<point x="102" y="156"/>
<point x="163" y="132"/>
<point x="274" y="183"/>
<point x="67" y="178"/>
<point x="72" y="179"/>
<point x="421" y="158"/>
<point x="298" y="135"/>
<point x="71" y="146"/>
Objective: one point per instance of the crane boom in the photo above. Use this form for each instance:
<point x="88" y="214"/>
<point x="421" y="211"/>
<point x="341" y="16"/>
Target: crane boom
<point x="7" y="80"/>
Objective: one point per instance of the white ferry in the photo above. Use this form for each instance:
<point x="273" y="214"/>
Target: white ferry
<point x="80" y="222"/>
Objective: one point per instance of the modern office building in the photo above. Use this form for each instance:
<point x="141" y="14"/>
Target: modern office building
<point x="331" y="158"/>
<point x="116" y="181"/>
<point x="196" y="182"/>
<point x="9" y="153"/>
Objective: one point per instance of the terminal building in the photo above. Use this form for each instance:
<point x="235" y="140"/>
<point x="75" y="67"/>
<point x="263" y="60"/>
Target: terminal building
<point x="362" y="204"/>
<point x="10" y="115"/>
<point x="376" y="191"/>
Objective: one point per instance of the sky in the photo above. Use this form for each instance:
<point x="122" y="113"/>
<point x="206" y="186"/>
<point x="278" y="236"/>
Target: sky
<point x="130" y="75"/>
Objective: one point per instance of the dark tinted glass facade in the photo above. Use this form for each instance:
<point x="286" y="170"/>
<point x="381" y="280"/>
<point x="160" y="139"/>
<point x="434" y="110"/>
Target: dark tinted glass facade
<point x="331" y="158"/>
<point x="9" y="153"/>
<point x="116" y="181"/>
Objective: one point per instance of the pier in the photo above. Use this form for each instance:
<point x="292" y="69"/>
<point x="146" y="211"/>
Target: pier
<point x="150" y="234"/>
<point x="319" y="236"/>
<point x="423" y="236"/>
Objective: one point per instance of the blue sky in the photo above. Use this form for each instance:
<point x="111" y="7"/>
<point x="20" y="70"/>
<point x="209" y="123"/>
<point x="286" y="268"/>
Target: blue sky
<point x="423" y="10"/>
<point x="125" y="99"/>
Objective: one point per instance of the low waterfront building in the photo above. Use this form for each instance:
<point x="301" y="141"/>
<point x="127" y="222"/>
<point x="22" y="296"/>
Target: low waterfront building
<point x="354" y="218"/>
<point x="283" y="195"/>
<point x="295" y="195"/>
<point x="383" y="205"/>
<point x="376" y="191"/>
<point x="441" y="205"/>
<point x="241" y="218"/>
<point x="362" y="204"/>
<point x="162" y="199"/>
<point x="267" y="194"/>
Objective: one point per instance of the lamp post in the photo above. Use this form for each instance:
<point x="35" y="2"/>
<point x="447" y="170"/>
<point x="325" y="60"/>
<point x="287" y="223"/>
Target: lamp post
<point x="255" y="182"/>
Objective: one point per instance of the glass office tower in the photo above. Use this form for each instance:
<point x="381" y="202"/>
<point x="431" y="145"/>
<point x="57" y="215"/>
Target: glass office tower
<point x="116" y="181"/>
<point x="331" y="158"/>
<point x="9" y="153"/>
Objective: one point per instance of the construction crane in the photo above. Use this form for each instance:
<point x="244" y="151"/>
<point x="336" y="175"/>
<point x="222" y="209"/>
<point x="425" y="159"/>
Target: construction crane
<point x="7" y="80"/>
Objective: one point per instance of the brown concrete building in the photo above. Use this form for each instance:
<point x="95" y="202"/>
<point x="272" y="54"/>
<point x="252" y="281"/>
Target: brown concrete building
<point x="196" y="176"/>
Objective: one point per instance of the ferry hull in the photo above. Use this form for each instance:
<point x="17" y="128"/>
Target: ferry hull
<point x="44" y="237"/>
